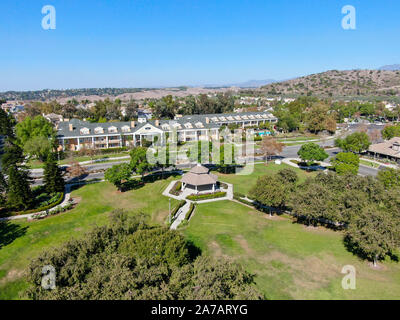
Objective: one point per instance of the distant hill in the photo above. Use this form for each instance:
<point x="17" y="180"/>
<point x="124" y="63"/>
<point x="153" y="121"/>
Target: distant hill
<point x="247" y="84"/>
<point x="340" y="83"/>
<point x="390" y="67"/>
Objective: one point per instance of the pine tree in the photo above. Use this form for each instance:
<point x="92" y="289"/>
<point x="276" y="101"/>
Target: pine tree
<point x="19" y="194"/>
<point x="53" y="178"/>
<point x="3" y="189"/>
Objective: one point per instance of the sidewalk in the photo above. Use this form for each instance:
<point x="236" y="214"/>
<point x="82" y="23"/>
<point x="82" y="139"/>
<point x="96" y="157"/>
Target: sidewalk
<point x="180" y="215"/>
<point x="379" y="163"/>
<point x="89" y="162"/>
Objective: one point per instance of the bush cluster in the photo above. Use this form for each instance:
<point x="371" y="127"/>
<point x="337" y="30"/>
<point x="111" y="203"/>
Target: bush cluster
<point x="206" y="196"/>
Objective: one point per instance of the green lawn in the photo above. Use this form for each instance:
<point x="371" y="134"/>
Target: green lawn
<point x="36" y="164"/>
<point x="302" y="138"/>
<point x="243" y="183"/>
<point x="369" y="164"/>
<point x="289" y="260"/>
<point x="97" y="201"/>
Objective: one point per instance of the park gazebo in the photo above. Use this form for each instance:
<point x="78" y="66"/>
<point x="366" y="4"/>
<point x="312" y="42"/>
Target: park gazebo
<point x="199" y="179"/>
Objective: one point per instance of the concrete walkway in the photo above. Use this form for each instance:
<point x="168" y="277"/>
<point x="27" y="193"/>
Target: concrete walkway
<point x="181" y="214"/>
<point x="389" y="165"/>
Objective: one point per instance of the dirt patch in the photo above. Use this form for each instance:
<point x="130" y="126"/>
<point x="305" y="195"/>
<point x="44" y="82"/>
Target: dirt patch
<point x="12" y="275"/>
<point x="308" y="273"/>
<point x="244" y="244"/>
<point x="215" y="249"/>
<point x="379" y="266"/>
<point x="76" y="200"/>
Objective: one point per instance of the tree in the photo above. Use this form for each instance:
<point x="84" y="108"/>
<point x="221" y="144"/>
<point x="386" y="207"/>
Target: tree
<point x="375" y="135"/>
<point x="274" y="190"/>
<point x="3" y="190"/>
<point x="75" y="170"/>
<point x="312" y="152"/>
<point x="34" y="127"/>
<point x="118" y="173"/>
<point x="389" y="177"/>
<point x="19" y="194"/>
<point x="131" y="109"/>
<point x="271" y="147"/>
<point x="317" y="117"/>
<point x="313" y="201"/>
<point x="374" y="233"/>
<point x="53" y="177"/>
<point x="139" y="163"/>
<point x="128" y="259"/>
<point x="89" y="152"/>
<point x="346" y="162"/>
<point x="6" y="124"/>
<point x="391" y="131"/>
<point x="356" y="142"/>
<point x="39" y="147"/>
<point x="288" y="176"/>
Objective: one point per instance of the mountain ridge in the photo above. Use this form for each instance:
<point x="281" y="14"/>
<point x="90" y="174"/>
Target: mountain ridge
<point x="340" y="83"/>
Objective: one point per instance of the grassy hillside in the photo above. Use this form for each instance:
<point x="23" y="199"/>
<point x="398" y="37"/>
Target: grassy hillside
<point x="341" y="83"/>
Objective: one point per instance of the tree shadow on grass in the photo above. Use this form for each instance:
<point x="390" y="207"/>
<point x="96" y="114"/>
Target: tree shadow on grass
<point x="9" y="232"/>
<point x="194" y="251"/>
<point x="353" y="248"/>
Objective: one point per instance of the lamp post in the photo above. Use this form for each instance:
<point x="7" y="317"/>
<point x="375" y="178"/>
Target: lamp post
<point x="169" y="215"/>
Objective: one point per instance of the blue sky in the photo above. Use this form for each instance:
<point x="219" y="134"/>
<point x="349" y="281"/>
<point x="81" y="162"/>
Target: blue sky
<point x="141" y="43"/>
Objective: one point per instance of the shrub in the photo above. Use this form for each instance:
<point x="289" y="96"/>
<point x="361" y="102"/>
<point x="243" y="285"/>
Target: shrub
<point x="44" y="208"/>
<point x="191" y="209"/>
<point x="176" y="189"/>
<point x="223" y="185"/>
<point x="239" y="195"/>
<point x="180" y="205"/>
<point x="206" y="196"/>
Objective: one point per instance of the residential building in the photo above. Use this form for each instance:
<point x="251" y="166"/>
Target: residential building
<point x="75" y="134"/>
<point x="388" y="149"/>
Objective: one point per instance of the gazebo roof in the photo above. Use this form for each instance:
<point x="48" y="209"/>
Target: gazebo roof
<point x="199" y="169"/>
<point x="199" y="176"/>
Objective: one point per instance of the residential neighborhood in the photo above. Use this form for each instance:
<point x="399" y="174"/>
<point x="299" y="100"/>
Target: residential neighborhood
<point x="144" y="159"/>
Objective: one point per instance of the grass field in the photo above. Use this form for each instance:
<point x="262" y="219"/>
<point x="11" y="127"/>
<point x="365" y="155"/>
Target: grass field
<point x="97" y="201"/>
<point x="36" y="164"/>
<point x="243" y="183"/>
<point x="289" y="260"/>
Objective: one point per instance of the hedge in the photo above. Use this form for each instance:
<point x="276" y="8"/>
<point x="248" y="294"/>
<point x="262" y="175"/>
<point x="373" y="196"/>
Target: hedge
<point x="238" y="195"/>
<point x="44" y="208"/>
<point x="180" y="205"/>
<point x="191" y="209"/>
<point x="206" y="196"/>
<point x="42" y="215"/>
